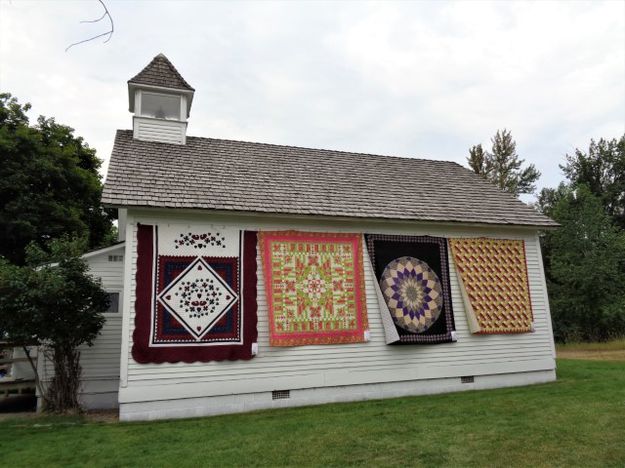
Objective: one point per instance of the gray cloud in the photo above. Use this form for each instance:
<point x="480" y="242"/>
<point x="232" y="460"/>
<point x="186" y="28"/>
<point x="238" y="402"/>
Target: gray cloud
<point x="413" y="79"/>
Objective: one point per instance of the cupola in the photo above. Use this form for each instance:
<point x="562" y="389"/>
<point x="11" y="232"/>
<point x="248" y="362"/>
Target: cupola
<point x="160" y="99"/>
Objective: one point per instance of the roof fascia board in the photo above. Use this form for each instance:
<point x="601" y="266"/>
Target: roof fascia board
<point x="180" y="212"/>
<point x="93" y="253"/>
<point x="103" y="250"/>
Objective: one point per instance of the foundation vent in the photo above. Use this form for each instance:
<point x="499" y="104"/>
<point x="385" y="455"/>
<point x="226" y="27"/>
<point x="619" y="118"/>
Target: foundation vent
<point x="467" y="379"/>
<point x="280" y="394"/>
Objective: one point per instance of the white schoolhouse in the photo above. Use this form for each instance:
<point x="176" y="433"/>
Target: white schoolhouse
<point x="252" y="275"/>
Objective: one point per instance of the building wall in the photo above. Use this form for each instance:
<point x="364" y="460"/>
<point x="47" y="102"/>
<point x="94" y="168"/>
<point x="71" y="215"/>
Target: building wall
<point x="23" y="369"/>
<point x="156" y="390"/>
<point x="100" y="362"/>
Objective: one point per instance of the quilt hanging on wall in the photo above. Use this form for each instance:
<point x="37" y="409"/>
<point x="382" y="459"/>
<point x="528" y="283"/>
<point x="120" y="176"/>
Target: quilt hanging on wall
<point x="494" y="283"/>
<point x="315" y="289"/>
<point x="195" y="294"/>
<point x="412" y="287"/>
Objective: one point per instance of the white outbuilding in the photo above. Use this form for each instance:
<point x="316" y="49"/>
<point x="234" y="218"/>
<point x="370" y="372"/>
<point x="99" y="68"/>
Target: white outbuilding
<point x="253" y="276"/>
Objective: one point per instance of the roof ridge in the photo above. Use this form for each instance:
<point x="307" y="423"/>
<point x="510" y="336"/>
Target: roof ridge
<point x="355" y="153"/>
<point x="326" y="150"/>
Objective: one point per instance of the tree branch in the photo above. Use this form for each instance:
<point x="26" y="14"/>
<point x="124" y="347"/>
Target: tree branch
<point x="96" y="20"/>
<point x="109" y="33"/>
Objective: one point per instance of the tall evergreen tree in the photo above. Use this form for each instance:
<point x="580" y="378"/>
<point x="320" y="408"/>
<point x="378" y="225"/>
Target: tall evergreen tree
<point x="477" y="160"/>
<point x="49" y="183"/>
<point x="502" y="165"/>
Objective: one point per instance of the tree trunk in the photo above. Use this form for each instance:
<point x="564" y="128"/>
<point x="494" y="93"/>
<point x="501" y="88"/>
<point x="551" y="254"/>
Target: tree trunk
<point x="37" y="379"/>
<point x="63" y="390"/>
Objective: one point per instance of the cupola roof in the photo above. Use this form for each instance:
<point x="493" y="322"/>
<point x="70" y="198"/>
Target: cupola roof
<point x="160" y="72"/>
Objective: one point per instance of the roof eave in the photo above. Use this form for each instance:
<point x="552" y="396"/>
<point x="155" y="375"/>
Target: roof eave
<point x="91" y="253"/>
<point x="534" y="226"/>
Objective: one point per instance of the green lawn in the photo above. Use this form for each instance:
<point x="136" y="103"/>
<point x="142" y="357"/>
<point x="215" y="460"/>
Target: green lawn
<point x="578" y="420"/>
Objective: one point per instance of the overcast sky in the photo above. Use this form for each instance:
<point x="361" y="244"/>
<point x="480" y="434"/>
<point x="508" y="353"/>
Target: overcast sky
<point x="424" y="79"/>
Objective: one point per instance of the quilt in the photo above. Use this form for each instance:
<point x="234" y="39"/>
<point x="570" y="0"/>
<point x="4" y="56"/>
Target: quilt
<point x="315" y="289"/>
<point x="413" y="288"/>
<point x="195" y="294"/>
<point x="493" y="277"/>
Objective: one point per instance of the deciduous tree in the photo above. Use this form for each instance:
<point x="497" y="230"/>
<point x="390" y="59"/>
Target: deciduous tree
<point x="57" y="307"/>
<point x="602" y="170"/>
<point x="585" y="260"/>
<point x="49" y="183"/>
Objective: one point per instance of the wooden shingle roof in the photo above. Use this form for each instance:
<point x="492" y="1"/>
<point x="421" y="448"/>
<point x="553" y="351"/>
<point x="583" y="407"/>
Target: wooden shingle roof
<point x="161" y="72"/>
<point x="214" y="174"/>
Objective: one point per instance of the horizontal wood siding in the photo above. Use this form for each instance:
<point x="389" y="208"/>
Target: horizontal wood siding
<point x="166" y="131"/>
<point x="315" y="366"/>
<point x="100" y="362"/>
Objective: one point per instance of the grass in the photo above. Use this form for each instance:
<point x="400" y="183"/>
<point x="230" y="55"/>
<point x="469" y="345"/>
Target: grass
<point x="608" y="351"/>
<point x="577" y="421"/>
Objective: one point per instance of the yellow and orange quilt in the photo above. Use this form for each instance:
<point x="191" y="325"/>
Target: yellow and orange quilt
<point x="315" y="288"/>
<point x="493" y="279"/>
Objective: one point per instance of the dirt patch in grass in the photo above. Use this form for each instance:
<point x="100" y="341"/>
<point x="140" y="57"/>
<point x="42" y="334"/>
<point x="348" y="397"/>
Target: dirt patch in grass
<point x="100" y="416"/>
<point x="103" y="416"/>
<point x="609" y="351"/>
<point x="21" y="415"/>
<point x="592" y="355"/>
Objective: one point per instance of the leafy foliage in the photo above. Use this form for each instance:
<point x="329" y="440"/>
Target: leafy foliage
<point x="548" y="197"/>
<point x="602" y="170"/>
<point x="502" y="165"/>
<point x="56" y="306"/>
<point x="588" y="248"/>
<point x="585" y="260"/>
<point x="49" y="183"/>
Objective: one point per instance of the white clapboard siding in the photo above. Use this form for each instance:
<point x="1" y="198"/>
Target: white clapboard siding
<point x="100" y="362"/>
<point x="165" y="131"/>
<point x="276" y="368"/>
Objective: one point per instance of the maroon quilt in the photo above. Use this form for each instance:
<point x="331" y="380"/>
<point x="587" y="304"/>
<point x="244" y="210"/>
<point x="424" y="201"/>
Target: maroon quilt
<point x="195" y="295"/>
